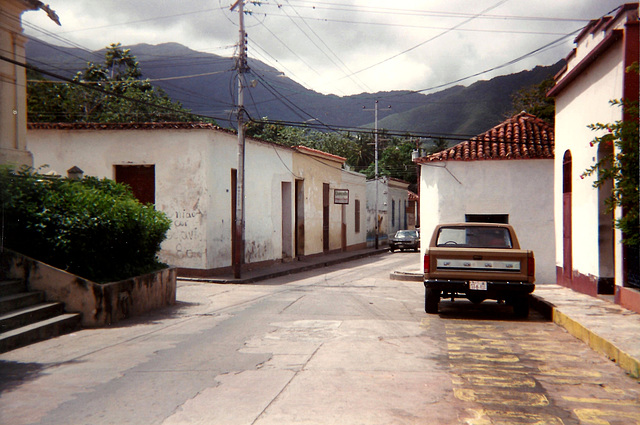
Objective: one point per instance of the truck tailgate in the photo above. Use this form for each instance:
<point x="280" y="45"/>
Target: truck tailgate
<point x="488" y="265"/>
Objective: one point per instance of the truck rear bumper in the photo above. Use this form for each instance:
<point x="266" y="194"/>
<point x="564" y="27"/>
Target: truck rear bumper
<point x="495" y="290"/>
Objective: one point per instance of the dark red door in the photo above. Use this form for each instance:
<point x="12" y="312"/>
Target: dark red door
<point x="141" y="179"/>
<point x="567" y="243"/>
<point x="325" y="217"/>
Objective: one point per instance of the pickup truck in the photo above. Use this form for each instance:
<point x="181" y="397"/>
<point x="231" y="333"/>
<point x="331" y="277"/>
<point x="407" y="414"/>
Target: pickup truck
<point x="478" y="261"/>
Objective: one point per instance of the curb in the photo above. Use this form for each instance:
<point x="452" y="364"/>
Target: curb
<point x="406" y="276"/>
<point x="293" y="270"/>
<point x="597" y="343"/>
<point x="550" y="312"/>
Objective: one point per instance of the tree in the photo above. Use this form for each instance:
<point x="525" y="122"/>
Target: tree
<point x="620" y="166"/>
<point x="358" y="149"/>
<point x="341" y="144"/>
<point x="534" y="100"/>
<point x="119" y="95"/>
<point x="438" y="145"/>
<point x="93" y="228"/>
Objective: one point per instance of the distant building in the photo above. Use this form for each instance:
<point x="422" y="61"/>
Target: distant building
<point x="393" y="204"/>
<point x="590" y="257"/>
<point x="413" y="211"/>
<point x="503" y="175"/>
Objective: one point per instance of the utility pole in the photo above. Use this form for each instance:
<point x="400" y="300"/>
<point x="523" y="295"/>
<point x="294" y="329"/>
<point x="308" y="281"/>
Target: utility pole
<point x="375" y="136"/>
<point x="239" y="225"/>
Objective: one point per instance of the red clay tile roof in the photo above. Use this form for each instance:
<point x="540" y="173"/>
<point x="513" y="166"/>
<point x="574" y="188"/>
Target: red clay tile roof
<point x="122" y="126"/>
<point x="522" y="136"/>
<point x="304" y="149"/>
<point x="140" y="126"/>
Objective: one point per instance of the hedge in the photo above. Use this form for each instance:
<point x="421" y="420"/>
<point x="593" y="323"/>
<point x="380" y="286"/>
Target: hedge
<point x="93" y="228"/>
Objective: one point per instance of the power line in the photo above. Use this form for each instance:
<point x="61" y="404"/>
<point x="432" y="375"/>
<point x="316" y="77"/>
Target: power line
<point x="305" y="124"/>
<point x="416" y="26"/>
<point x="98" y="88"/>
<point x="315" y="5"/>
<point x="432" y="38"/>
<point x="341" y="65"/>
<point x="511" y="62"/>
<point x="289" y="49"/>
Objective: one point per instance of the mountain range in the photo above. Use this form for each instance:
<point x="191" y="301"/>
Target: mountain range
<point x="206" y="84"/>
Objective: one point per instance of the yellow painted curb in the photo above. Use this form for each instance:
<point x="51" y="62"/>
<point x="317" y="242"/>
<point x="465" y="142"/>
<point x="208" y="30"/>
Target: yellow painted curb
<point x="597" y="343"/>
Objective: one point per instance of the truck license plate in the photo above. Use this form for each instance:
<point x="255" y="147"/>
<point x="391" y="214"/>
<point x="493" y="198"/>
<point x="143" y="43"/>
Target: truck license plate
<point x="478" y="285"/>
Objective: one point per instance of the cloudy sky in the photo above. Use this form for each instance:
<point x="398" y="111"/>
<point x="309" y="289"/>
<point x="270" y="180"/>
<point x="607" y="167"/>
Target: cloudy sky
<point x="342" y="46"/>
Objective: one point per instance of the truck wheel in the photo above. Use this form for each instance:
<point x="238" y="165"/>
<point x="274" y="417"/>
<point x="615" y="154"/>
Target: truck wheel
<point x="521" y="307"/>
<point x="431" y="301"/>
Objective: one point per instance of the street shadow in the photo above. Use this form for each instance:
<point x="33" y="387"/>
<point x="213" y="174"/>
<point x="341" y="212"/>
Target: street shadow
<point x="13" y="373"/>
<point x="486" y="310"/>
<point x="173" y="311"/>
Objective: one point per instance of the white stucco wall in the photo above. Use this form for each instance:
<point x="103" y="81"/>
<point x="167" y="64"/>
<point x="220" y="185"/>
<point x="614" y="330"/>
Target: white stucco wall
<point x="356" y="183"/>
<point x="523" y="189"/>
<point x="585" y="101"/>
<point x="398" y="200"/>
<point x="180" y="185"/>
<point x="389" y="190"/>
<point x="315" y="171"/>
<point x="192" y="185"/>
<point x="266" y="168"/>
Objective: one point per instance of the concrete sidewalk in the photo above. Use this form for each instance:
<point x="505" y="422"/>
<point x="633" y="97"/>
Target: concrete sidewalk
<point x="605" y="326"/>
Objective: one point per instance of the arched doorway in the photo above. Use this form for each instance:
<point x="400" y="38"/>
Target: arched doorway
<point x="567" y="247"/>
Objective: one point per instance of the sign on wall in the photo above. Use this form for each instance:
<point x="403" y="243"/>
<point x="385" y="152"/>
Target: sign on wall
<point x="341" y="196"/>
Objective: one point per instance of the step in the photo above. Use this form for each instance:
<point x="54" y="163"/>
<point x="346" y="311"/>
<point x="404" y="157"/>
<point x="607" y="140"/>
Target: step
<point x="12" y="286"/>
<point x="24" y="316"/>
<point x="39" y="331"/>
<point x="17" y="301"/>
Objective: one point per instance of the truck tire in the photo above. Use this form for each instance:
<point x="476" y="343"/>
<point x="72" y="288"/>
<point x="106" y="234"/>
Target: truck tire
<point x="431" y="301"/>
<point x="521" y="307"/>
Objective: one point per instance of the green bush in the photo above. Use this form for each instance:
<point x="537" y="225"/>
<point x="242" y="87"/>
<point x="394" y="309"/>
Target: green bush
<point x="93" y="228"/>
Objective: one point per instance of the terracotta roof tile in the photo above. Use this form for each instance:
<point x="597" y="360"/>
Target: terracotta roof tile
<point x="304" y="149"/>
<point x="122" y="126"/>
<point x="141" y="126"/>
<point x="522" y="136"/>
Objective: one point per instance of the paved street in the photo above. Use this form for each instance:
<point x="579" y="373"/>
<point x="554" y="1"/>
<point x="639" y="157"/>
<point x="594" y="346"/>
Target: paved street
<point x="339" y="345"/>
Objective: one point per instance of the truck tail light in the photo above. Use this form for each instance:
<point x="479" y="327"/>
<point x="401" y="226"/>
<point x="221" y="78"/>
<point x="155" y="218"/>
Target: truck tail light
<point x="426" y="263"/>
<point x="531" y="266"/>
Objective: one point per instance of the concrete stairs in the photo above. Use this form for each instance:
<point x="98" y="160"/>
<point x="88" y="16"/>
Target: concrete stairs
<point x="25" y="317"/>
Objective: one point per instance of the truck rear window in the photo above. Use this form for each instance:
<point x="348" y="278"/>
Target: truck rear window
<point x="474" y="237"/>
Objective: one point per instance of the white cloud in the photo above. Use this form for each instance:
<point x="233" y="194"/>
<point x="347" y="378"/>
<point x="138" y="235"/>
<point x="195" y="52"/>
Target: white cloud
<point x="389" y="46"/>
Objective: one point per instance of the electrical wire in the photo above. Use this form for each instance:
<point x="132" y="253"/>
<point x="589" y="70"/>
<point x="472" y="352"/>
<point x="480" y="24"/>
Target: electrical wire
<point x="339" y="63"/>
<point x="511" y="62"/>
<point x="317" y="5"/>
<point x="499" y="3"/>
<point x="290" y="49"/>
<point x="95" y="87"/>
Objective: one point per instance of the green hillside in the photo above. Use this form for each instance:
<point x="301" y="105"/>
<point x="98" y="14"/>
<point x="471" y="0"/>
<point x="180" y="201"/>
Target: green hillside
<point x="468" y="111"/>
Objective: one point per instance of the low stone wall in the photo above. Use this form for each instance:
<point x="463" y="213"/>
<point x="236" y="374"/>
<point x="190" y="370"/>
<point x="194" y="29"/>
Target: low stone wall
<point x="100" y="303"/>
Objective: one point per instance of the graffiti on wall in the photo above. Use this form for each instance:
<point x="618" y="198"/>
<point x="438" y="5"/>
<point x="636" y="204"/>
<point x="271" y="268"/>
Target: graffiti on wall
<point x="186" y="234"/>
